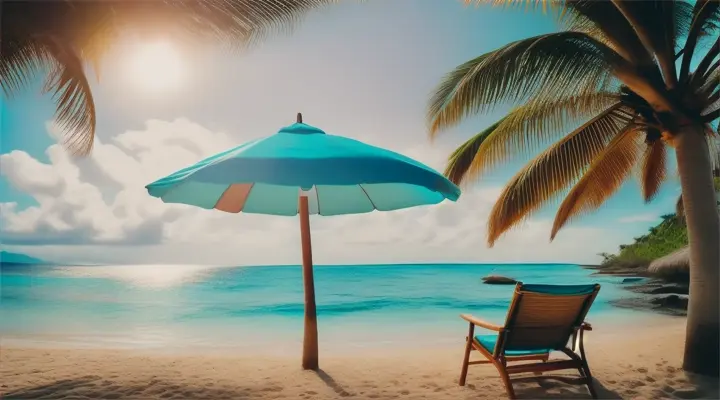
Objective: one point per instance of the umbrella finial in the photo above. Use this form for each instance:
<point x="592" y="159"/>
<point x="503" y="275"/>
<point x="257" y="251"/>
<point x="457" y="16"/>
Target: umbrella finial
<point x="299" y="118"/>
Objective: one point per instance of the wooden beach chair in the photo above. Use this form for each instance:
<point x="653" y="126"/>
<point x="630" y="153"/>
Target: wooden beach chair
<point x="541" y="319"/>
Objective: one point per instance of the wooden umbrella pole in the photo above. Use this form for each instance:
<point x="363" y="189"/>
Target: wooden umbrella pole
<point x="310" y="340"/>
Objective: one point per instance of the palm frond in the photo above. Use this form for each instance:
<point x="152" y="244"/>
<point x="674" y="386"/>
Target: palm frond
<point x="553" y="171"/>
<point x="712" y="115"/>
<point x="653" y="169"/>
<point x="553" y="65"/>
<point x="710" y="86"/>
<point x="71" y="91"/>
<point x="528" y="127"/>
<point x="712" y="107"/>
<point x="544" y="5"/>
<point x="596" y="18"/>
<point x="233" y="22"/>
<point x="712" y="76"/>
<point x="603" y="178"/>
<point x="682" y="22"/>
<point x="578" y="23"/>
<point x="460" y="162"/>
<point x="20" y="62"/>
<point x="712" y="23"/>
<point x="94" y="39"/>
<point x="58" y="37"/>
<point x="702" y="12"/>
<point x="608" y="18"/>
<point x="703" y="67"/>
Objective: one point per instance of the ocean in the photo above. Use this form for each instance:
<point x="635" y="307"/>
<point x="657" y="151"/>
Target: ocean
<point x="185" y="307"/>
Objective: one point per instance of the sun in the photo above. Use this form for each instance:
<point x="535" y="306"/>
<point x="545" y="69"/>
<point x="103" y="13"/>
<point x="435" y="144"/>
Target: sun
<point x="156" y="67"/>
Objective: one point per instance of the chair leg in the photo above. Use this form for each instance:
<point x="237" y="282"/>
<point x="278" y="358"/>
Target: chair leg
<point x="585" y="373"/>
<point x="466" y="357"/>
<point x="506" y="380"/>
<point x="586" y="368"/>
<point x="589" y="378"/>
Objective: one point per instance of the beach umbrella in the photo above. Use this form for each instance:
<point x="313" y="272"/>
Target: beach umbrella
<point x="276" y="174"/>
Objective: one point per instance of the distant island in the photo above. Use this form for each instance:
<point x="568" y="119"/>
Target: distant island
<point x="7" y="257"/>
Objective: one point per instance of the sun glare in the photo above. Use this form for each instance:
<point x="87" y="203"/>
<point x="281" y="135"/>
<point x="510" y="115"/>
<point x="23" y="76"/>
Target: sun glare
<point x="156" y="67"/>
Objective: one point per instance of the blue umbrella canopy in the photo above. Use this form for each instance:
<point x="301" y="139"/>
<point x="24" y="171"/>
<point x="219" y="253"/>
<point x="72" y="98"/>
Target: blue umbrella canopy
<point x="301" y="169"/>
<point x="342" y="175"/>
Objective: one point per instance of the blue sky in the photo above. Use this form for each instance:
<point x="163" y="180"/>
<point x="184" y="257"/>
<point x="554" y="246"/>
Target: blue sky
<point x="360" y="70"/>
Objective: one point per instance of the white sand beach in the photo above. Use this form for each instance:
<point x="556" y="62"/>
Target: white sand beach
<point x="632" y="362"/>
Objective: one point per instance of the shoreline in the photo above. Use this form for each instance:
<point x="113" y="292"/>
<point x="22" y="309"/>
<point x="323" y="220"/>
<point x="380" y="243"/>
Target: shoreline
<point x="268" y="340"/>
<point x="651" y="294"/>
<point x="637" y="361"/>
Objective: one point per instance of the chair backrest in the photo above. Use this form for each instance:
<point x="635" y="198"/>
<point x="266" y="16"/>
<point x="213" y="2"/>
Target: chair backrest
<point x="545" y="316"/>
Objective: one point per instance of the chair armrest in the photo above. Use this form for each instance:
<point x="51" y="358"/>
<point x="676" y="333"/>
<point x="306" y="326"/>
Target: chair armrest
<point x="483" y="324"/>
<point x="586" y="326"/>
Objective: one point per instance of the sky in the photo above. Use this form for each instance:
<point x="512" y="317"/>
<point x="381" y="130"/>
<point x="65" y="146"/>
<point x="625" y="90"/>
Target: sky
<point x="364" y="71"/>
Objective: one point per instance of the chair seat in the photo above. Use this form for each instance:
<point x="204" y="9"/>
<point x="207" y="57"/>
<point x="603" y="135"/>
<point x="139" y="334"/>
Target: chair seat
<point x="488" y="342"/>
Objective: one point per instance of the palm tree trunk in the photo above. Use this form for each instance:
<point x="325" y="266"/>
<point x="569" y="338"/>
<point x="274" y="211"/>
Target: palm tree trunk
<point x="702" y="346"/>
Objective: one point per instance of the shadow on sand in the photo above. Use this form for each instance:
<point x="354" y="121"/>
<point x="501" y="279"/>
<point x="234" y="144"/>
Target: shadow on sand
<point x="88" y="388"/>
<point x="542" y="388"/>
<point x="332" y="384"/>
<point x="95" y="387"/>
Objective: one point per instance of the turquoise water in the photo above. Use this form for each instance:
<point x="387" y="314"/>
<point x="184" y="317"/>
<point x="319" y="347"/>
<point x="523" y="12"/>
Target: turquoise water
<point x="176" y="306"/>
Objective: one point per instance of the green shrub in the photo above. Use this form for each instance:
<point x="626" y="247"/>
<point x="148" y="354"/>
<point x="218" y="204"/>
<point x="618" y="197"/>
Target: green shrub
<point x="663" y="239"/>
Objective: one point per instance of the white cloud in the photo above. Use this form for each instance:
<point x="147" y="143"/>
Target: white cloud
<point x="647" y="217"/>
<point x="97" y="210"/>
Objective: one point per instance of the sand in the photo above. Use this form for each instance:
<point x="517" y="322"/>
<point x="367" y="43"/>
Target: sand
<point x="629" y="363"/>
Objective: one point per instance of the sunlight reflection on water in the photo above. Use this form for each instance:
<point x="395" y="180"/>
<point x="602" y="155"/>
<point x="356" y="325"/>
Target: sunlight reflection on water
<point x="150" y="276"/>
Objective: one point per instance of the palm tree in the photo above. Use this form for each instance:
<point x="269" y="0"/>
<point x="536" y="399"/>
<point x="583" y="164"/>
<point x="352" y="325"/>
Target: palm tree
<point x="680" y="207"/>
<point x="58" y="38"/>
<point x="622" y="82"/>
